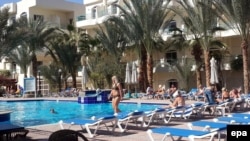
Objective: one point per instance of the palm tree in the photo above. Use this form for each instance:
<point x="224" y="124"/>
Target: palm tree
<point x="111" y="38"/>
<point x="236" y="14"/>
<point x="144" y="20"/>
<point x="51" y="74"/>
<point x="201" y="22"/>
<point x="64" y="53"/>
<point x="36" y="34"/>
<point x="9" y="37"/>
<point x="22" y="57"/>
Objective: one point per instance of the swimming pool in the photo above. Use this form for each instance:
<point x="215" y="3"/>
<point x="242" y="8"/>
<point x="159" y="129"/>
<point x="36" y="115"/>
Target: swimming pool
<point x="32" y="113"/>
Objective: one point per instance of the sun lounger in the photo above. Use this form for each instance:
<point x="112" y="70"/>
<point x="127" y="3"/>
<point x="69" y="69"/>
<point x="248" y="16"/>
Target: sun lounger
<point x="191" y="93"/>
<point x="209" y="126"/>
<point x="156" y="115"/>
<point x="241" y="115"/>
<point x="183" y="112"/>
<point x="10" y="131"/>
<point x="86" y="123"/>
<point x="198" y="108"/>
<point x="127" y="117"/>
<point x="232" y="120"/>
<point x="171" y="132"/>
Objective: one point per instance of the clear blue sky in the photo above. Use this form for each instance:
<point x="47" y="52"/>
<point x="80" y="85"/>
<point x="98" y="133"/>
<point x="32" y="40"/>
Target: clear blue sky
<point x="9" y="1"/>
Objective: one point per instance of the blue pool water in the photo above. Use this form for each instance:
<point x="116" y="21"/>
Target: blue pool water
<point x="31" y="113"/>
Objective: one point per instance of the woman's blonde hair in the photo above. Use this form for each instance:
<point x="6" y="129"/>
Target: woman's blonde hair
<point x="115" y="78"/>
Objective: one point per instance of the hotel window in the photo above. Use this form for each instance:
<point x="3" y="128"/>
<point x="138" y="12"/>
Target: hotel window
<point x="171" y="56"/>
<point x="171" y="26"/>
<point x="24" y="15"/>
<point x="94" y="13"/>
<point x="71" y="21"/>
<point x="38" y="17"/>
<point x="113" y="9"/>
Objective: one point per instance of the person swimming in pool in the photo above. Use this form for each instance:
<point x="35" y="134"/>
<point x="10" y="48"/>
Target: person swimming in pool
<point x="53" y="111"/>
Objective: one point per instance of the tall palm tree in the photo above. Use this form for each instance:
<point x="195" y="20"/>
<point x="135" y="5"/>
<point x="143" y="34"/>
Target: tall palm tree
<point x="113" y="44"/>
<point x="201" y="22"/>
<point x="22" y="57"/>
<point x="65" y="54"/>
<point x="9" y="37"/>
<point x="236" y="14"/>
<point x="145" y="19"/>
<point x="111" y="38"/>
<point x="37" y="31"/>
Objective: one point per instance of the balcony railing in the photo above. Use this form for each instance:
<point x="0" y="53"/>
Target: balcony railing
<point x="165" y="64"/>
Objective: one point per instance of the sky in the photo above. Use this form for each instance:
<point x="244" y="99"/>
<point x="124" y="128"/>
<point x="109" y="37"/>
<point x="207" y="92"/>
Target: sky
<point x="2" y="2"/>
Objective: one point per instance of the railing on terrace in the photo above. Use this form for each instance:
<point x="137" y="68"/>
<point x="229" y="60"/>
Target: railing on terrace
<point x="101" y="11"/>
<point x="165" y="64"/>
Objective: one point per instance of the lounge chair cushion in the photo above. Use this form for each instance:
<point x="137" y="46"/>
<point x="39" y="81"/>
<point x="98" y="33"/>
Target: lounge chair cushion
<point x="179" y="132"/>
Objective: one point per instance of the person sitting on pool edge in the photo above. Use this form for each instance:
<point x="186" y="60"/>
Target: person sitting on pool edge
<point x="178" y="101"/>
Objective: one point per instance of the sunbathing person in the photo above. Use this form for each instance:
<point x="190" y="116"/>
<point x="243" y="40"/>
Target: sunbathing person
<point x="179" y="101"/>
<point x="234" y="94"/>
<point x="150" y="92"/>
<point x="160" y="92"/>
<point x="224" y="96"/>
<point x="171" y="91"/>
<point x="200" y="92"/>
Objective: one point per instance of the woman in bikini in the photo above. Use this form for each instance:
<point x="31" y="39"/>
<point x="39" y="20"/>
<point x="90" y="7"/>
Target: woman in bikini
<point x="116" y="94"/>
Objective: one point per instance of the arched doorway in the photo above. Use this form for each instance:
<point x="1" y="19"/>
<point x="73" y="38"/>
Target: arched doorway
<point x="172" y="82"/>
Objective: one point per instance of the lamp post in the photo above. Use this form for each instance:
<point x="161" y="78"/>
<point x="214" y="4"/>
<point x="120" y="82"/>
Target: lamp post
<point x="39" y="82"/>
<point x="59" y="81"/>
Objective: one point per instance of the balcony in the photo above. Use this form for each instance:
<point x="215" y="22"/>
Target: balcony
<point x="164" y="65"/>
<point x="98" y="15"/>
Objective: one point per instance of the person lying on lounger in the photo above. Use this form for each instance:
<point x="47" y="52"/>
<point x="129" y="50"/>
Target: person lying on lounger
<point x="179" y="101"/>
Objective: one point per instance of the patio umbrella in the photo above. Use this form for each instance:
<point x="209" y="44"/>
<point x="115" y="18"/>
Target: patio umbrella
<point x="84" y="76"/>
<point x="214" y="73"/>
<point x="127" y="76"/>
<point x="134" y="74"/>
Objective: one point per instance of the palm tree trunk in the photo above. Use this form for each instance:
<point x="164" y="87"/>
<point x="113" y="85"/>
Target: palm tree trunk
<point x="198" y="77"/>
<point x="150" y="69"/>
<point x="34" y="68"/>
<point x="74" y="80"/>
<point x="207" y="67"/>
<point x="244" y="47"/>
<point x="142" y="67"/>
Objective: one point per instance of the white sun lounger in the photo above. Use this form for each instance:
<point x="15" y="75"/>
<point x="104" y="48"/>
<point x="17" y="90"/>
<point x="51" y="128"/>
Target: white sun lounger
<point x="86" y="123"/>
<point x="127" y="117"/>
<point x="179" y="132"/>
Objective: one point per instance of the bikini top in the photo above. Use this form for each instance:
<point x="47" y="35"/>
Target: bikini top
<point x="115" y="87"/>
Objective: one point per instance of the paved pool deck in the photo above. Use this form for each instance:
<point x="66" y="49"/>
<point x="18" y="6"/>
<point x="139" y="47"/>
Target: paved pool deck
<point x="134" y="133"/>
